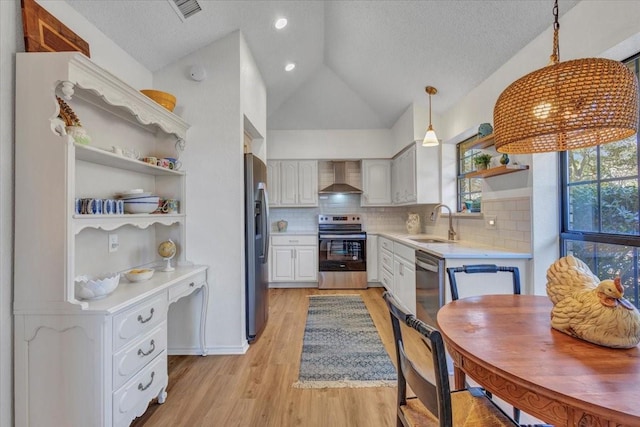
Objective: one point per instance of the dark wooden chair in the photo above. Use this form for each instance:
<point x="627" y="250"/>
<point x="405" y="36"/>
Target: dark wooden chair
<point x="435" y="404"/>
<point x="481" y="268"/>
<point x="485" y="268"/>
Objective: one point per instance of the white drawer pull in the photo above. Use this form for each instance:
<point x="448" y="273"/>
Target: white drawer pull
<point x="192" y="284"/>
<point x="153" y="348"/>
<point x="144" y="387"/>
<point x="141" y="320"/>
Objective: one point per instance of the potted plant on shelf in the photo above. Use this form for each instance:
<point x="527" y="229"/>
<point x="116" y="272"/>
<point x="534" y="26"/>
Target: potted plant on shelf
<point x="482" y="161"/>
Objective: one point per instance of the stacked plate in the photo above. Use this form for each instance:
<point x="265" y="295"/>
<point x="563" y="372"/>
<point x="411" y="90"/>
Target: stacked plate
<point x="137" y="201"/>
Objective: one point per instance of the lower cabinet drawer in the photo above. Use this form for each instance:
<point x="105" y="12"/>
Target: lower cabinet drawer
<point x="132" y="399"/>
<point x="185" y="287"/>
<point x="294" y="239"/>
<point x="138" y="320"/>
<point x="136" y="355"/>
<point x="386" y="259"/>
<point x="387" y="280"/>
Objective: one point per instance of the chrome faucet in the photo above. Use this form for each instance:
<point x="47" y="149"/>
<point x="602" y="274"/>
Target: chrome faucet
<point x="452" y="233"/>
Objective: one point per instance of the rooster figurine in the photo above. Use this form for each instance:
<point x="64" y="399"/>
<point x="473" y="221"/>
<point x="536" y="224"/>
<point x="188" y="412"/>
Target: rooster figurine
<point x="590" y="309"/>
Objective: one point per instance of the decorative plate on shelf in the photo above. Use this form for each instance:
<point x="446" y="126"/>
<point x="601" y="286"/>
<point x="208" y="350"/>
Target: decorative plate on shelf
<point x="485" y="129"/>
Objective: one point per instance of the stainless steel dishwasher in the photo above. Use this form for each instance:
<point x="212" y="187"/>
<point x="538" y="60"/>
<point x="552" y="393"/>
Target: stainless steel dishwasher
<point x="430" y="293"/>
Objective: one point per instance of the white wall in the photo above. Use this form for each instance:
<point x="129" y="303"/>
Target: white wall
<point x="330" y="144"/>
<point x="10" y="42"/>
<point x="352" y="143"/>
<point x="104" y="52"/>
<point x="215" y="175"/>
<point x="591" y="28"/>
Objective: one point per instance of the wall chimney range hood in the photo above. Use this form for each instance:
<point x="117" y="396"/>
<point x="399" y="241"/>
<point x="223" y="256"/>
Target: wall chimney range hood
<point x="340" y="185"/>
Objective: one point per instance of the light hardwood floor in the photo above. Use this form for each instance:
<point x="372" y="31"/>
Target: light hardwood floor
<point x="254" y="389"/>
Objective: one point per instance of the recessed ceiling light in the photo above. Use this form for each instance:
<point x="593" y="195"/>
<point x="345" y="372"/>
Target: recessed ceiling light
<point x="290" y="66"/>
<point x="281" y="23"/>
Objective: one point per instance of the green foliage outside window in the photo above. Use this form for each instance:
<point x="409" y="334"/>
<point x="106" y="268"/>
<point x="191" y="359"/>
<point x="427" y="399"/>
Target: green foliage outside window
<point x="601" y="209"/>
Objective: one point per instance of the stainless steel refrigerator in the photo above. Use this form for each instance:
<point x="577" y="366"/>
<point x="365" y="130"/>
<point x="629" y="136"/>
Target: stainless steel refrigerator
<point x="257" y="245"/>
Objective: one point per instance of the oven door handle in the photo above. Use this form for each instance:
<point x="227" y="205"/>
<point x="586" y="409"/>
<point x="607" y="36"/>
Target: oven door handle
<point x="428" y="267"/>
<point x="343" y="236"/>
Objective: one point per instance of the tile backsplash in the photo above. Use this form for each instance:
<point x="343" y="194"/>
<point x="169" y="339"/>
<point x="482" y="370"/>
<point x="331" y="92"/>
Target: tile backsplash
<point x="512" y="232"/>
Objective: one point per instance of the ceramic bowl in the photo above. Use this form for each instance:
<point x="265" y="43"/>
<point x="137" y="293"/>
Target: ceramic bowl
<point x="96" y="287"/>
<point x="165" y="99"/>
<point x="139" y="205"/>
<point x="139" y="274"/>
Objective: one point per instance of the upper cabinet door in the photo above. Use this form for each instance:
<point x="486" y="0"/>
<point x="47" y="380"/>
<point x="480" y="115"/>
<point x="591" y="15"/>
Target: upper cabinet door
<point x="273" y="182"/>
<point x="376" y="183"/>
<point x="308" y="183"/>
<point x="288" y="182"/>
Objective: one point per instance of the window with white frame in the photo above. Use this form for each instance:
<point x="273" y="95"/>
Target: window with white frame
<point x="600" y="208"/>
<point x="469" y="191"/>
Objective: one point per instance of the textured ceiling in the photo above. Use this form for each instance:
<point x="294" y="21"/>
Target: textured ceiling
<point x="360" y="64"/>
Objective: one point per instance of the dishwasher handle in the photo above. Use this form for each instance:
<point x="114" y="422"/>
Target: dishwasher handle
<point x="427" y="266"/>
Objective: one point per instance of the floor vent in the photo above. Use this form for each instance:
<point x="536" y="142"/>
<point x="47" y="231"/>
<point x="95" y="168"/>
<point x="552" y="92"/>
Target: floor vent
<point x="185" y="8"/>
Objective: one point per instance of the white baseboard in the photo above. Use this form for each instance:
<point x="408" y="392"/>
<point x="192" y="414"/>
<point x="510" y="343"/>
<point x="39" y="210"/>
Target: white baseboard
<point x="210" y="351"/>
<point x="293" y="285"/>
<point x="310" y="285"/>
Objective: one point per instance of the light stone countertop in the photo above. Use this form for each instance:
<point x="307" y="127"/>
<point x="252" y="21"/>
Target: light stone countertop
<point x="458" y="249"/>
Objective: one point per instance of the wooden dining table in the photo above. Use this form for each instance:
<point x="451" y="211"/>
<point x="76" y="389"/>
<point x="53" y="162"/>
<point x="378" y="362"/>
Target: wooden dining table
<point x="505" y="343"/>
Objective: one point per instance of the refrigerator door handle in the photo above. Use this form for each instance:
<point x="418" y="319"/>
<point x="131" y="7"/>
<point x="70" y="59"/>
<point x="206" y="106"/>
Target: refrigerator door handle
<point x="263" y="197"/>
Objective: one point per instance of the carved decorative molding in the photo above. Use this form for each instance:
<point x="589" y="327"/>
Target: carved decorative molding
<point x="95" y="82"/>
<point x="525" y="399"/>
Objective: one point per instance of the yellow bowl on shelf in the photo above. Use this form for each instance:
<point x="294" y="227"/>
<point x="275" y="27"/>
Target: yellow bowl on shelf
<point x="165" y="99"/>
<point x="139" y="274"/>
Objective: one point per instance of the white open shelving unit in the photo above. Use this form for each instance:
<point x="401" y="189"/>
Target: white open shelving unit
<point x="110" y="354"/>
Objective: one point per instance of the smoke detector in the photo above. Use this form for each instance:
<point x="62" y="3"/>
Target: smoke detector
<point x="185" y="8"/>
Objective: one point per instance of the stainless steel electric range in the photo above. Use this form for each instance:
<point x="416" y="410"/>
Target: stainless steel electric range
<point x="342" y="260"/>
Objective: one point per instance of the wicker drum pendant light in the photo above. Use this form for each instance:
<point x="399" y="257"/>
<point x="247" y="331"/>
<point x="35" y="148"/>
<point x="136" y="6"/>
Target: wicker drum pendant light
<point x="567" y="105"/>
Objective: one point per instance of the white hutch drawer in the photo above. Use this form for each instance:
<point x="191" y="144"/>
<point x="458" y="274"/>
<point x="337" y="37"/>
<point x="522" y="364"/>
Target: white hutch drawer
<point x="138" y="320"/>
<point x="135" y="356"/>
<point x="132" y="399"/>
<point x="186" y="287"/>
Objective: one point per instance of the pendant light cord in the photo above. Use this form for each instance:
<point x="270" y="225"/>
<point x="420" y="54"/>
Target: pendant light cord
<point x="430" y="127"/>
<point x="555" y="55"/>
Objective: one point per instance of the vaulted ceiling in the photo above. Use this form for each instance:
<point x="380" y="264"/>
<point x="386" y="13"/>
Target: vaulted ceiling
<point x="359" y="64"/>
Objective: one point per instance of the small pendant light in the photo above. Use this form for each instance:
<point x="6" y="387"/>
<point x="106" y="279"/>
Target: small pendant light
<point x="430" y="138"/>
<point x="567" y="105"/>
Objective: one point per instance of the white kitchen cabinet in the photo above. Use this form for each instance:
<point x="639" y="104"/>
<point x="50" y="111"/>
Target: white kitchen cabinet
<point x="372" y="258"/>
<point x="385" y="263"/>
<point x="376" y="182"/>
<point x="397" y="270"/>
<point x="294" y="258"/>
<point x="416" y="175"/>
<point x="404" y="275"/>
<point x="404" y="185"/>
<point x="273" y="182"/>
<point x="307" y="183"/>
<point x="95" y="362"/>
<point x="295" y="182"/>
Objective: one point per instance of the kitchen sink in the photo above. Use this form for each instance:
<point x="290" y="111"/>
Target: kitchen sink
<point x="431" y="240"/>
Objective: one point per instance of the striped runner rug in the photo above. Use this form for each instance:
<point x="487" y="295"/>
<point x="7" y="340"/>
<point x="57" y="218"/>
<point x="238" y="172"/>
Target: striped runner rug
<point x="342" y="347"/>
